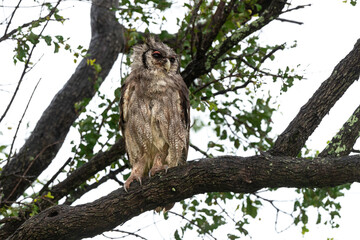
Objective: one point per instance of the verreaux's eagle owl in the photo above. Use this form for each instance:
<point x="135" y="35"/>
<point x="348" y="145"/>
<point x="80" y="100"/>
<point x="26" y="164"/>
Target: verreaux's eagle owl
<point x="154" y="111"/>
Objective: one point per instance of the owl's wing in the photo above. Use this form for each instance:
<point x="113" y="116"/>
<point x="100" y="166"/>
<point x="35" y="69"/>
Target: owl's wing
<point x="185" y="105"/>
<point x="126" y="91"/>
<point x="184" y="108"/>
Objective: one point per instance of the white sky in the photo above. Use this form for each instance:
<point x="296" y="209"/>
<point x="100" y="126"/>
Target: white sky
<point x="329" y="32"/>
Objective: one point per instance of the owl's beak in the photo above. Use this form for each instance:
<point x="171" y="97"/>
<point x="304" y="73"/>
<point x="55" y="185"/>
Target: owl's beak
<point x="167" y="65"/>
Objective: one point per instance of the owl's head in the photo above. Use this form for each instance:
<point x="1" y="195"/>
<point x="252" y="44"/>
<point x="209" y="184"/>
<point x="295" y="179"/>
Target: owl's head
<point x="153" y="55"/>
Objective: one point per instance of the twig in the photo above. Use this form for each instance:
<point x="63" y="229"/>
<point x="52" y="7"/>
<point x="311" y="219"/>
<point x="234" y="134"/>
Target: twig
<point x="296" y="8"/>
<point x="106" y="110"/>
<point x="46" y="186"/>
<point x="126" y="232"/>
<point x="275" y="49"/>
<point x="194" y="14"/>
<point x="290" y="21"/>
<point x="256" y="69"/>
<point x="199" y="150"/>
<point x="27" y="169"/>
<point x="12" y="16"/>
<point x="22" y="117"/>
<point x="278" y="210"/>
<point x="228" y="90"/>
<point x="80" y="192"/>
<point x="226" y="213"/>
<point x="215" y="81"/>
<point x="191" y="222"/>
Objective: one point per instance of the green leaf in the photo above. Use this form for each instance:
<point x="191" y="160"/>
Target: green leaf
<point x="33" y="38"/>
<point x="57" y="47"/>
<point x="47" y="40"/>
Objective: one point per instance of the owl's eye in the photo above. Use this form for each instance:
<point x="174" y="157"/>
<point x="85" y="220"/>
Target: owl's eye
<point x="172" y="59"/>
<point x="156" y="54"/>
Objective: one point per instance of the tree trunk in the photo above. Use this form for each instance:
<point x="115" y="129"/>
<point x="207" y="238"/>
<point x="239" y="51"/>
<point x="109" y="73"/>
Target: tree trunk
<point x="46" y="139"/>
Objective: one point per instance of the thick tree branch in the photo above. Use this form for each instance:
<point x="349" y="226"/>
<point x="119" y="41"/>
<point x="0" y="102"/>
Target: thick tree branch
<point x="52" y="128"/>
<point x="217" y="21"/>
<point x="221" y="174"/>
<point x="344" y="141"/>
<point x="291" y="141"/>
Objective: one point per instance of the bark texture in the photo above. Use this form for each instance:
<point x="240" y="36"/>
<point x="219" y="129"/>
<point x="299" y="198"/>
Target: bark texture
<point x="46" y="139"/>
<point x="343" y="142"/>
<point x="345" y="73"/>
<point x="221" y="174"/>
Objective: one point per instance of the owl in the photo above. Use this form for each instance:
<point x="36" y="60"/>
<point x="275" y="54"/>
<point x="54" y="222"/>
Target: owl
<point x="154" y="111"/>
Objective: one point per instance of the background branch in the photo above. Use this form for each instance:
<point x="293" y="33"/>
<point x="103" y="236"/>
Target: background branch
<point x="310" y="115"/>
<point x="106" y="43"/>
<point x="344" y="141"/>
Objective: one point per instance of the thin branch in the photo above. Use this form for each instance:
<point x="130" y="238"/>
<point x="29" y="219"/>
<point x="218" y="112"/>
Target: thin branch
<point x="106" y="110"/>
<point x="296" y="8"/>
<point x="89" y="169"/>
<point x="46" y="186"/>
<point x="22" y="117"/>
<point x="12" y="16"/>
<point x="192" y="222"/>
<point x="87" y="188"/>
<point x="23" y="176"/>
<point x="27" y="62"/>
<point x="289" y="21"/>
<point x="42" y="19"/>
<point x="199" y="150"/>
<point x="256" y="69"/>
<point x="233" y="89"/>
<point x="126" y="232"/>
<point x="275" y="49"/>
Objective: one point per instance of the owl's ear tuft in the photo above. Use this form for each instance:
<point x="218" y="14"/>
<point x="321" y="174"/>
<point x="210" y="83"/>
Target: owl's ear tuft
<point x="150" y="40"/>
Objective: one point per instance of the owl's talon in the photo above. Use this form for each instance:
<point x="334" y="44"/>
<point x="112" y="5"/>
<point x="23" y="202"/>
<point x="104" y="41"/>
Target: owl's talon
<point x="130" y="180"/>
<point x="156" y="169"/>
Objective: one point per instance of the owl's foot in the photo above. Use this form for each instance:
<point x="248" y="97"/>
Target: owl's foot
<point x="158" y="165"/>
<point x="133" y="176"/>
<point x="156" y="169"/>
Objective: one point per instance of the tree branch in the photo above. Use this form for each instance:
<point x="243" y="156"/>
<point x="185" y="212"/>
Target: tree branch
<point x="310" y="115"/>
<point x="226" y="173"/>
<point x="52" y="128"/>
<point x="78" y="193"/>
<point x="344" y="141"/>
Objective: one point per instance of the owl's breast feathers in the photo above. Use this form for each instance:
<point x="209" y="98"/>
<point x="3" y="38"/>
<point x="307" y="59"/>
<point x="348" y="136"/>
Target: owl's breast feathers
<point x="154" y="115"/>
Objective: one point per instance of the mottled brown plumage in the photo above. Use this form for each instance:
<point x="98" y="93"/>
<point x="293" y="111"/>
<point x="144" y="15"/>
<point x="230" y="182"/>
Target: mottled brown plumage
<point x="154" y="111"/>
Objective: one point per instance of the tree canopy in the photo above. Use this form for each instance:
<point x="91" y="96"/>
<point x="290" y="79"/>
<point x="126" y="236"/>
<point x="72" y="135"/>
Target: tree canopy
<point x="76" y="141"/>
